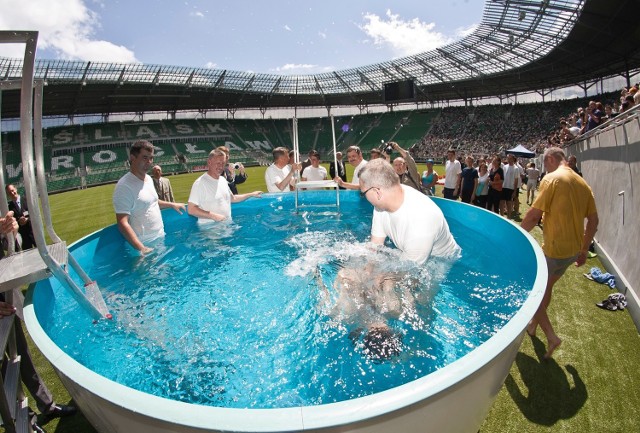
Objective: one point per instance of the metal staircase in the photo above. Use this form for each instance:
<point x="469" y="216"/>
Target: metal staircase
<point x="25" y="267"/>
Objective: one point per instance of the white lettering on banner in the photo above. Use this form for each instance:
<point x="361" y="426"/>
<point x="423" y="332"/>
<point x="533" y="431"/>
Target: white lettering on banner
<point x="63" y="137"/>
<point x="99" y="135"/>
<point x="183" y="129"/>
<point x="192" y="148"/>
<point x="13" y="172"/>
<point x="65" y="161"/>
<point x="215" y="128"/>
<point x="232" y="146"/>
<point x="145" y="131"/>
<point x="157" y="152"/>
<point x="257" y="144"/>
<point x="104" y="156"/>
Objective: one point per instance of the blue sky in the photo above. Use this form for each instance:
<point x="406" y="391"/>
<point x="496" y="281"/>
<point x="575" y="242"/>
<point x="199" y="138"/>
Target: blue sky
<point x="282" y="37"/>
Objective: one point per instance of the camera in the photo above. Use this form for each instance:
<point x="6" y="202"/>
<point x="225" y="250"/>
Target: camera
<point x="386" y="148"/>
<point x="236" y="165"/>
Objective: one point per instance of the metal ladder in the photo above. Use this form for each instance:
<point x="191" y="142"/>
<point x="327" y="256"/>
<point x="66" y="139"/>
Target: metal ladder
<point x="314" y="184"/>
<point x="29" y="266"/>
<point x="25" y="267"/>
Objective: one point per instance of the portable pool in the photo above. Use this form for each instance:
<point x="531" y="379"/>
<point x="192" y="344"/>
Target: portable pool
<point x="225" y="327"/>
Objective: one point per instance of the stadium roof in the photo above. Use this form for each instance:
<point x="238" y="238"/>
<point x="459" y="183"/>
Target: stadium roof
<point x="520" y="46"/>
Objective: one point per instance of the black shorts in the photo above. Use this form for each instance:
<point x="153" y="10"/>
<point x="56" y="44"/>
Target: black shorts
<point x="507" y="194"/>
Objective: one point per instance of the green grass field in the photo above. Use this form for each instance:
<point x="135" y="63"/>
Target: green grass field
<point x="591" y="385"/>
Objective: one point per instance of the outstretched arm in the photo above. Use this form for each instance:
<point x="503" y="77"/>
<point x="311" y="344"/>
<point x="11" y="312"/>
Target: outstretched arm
<point x="178" y="207"/>
<point x="196" y="211"/>
<point x="237" y="198"/>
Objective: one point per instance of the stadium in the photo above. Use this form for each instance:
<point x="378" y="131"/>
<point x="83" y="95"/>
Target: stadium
<point x="467" y="96"/>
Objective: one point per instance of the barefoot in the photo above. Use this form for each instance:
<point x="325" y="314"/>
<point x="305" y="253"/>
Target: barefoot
<point x="553" y="345"/>
<point x="531" y="329"/>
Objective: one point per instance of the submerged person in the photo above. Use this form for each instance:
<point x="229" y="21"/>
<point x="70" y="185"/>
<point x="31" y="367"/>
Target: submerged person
<point x="370" y="295"/>
<point x="211" y="197"/>
<point x="366" y="298"/>
<point x="136" y="201"/>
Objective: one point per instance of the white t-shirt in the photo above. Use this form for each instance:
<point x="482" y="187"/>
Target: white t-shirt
<point x="313" y="173"/>
<point x="274" y="175"/>
<point x="418" y="228"/>
<point x="356" y="172"/>
<point x="511" y="172"/>
<point x="139" y="200"/>
<point x="452" y="170"/>
<point x="212" y="195"/>
<point x="532" y="176"/>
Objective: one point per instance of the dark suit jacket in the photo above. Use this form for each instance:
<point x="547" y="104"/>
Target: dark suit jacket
<point x="28" y="241"/>
<point x="342" y="173"/>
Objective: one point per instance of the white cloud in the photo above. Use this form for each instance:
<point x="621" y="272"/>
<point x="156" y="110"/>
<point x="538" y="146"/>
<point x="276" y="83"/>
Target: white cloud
<point x="323" y="35"/>
<point x="66" y="27"/>
<point x="402" y="37"/>
<point x="287" y="28"/>
<point x="210" y="65"/>
<point x="463" y="32"/>
<point x="301" y="68"/>
<point x="197" y="14"/>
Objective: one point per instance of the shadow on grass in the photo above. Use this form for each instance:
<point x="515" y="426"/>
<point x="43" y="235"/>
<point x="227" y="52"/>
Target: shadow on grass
<point x="549" y="396"/>
<point x="72" y="424"/>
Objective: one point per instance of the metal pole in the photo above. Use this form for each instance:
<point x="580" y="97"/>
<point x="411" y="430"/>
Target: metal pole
<point x="335" y="158"/>
<point x="296" y="156"/>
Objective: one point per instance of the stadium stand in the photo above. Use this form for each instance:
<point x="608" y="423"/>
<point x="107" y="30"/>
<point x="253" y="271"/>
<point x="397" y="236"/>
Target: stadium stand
<point x="77" y="156"/>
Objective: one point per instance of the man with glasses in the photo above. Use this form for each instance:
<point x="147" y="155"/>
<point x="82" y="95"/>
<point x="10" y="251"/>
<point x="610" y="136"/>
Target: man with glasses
<point x="410" y="219"/>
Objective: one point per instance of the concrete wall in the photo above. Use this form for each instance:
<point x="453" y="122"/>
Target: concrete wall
<point x="610" y="162"/>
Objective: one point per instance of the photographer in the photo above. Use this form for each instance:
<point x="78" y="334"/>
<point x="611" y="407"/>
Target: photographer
<point x="230" y="174"/>
<point x="405" y="167"/>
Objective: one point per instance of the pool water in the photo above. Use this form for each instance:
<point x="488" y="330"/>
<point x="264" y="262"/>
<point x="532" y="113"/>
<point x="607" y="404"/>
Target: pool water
<point x="237" y="315"/>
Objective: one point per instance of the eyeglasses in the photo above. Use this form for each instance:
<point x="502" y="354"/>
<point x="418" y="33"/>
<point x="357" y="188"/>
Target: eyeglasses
<point x="364" y="193"/>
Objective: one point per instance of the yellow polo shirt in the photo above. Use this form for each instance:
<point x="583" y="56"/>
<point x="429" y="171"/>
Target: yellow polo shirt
<point x="565" y="200"/>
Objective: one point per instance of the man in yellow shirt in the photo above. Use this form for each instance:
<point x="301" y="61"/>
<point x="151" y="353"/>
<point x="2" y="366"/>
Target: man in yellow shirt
<point x="564" y="201"/>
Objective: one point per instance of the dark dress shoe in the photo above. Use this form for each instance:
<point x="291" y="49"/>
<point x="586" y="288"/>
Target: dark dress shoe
<point x="60" y="410"/>
<point x="37" y="428"/>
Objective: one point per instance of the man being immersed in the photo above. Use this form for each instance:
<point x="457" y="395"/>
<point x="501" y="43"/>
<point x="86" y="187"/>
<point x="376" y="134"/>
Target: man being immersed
<point x="368" y="296"/>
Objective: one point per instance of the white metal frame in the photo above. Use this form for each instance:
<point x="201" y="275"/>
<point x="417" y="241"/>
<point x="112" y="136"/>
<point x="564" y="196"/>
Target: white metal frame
<point x="315" y="184"/>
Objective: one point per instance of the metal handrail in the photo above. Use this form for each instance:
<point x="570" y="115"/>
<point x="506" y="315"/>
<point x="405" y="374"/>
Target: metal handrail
<point x="30" y="38"/>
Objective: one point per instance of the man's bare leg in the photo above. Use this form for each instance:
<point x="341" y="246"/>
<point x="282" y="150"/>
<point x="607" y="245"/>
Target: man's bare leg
<point x="541" y="319"/>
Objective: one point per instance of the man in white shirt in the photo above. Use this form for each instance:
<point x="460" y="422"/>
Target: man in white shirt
<point x="510" y="185"/>
<point x="409" y="218"/>
<point x="453" y="176"/>
<point x="211" y="198"/>
<point x="279" y="175"/>
<point x="136" y="202"/>
<point x="354" y="156"/>
<point x="314" y="171"/>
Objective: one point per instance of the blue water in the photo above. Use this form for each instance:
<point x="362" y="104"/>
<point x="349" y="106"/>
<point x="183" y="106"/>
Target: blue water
<point x="236" y="315"/>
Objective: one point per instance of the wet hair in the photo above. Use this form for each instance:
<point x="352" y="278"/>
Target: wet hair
<point x="380" y="343"/>
<point x="138" y="145"/>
